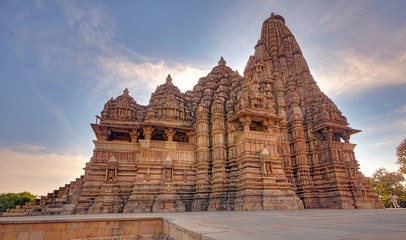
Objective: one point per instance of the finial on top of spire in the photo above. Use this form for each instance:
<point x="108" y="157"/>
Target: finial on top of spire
<point x="222" y="62"/>
<point x="272" y="15"/>
<point x="126" y="92"/>
<point x="169" y="78"/>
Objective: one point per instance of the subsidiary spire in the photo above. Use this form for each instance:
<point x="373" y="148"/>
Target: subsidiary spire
<point x="222" y="62"/>
<point x="169" y="78"/>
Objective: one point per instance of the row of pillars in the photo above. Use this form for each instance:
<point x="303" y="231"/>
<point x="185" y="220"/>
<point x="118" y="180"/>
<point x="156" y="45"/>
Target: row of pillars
<point x="169" y="132"/>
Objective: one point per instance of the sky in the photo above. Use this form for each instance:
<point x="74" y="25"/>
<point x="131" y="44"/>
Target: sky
<point x="60" y="61"/>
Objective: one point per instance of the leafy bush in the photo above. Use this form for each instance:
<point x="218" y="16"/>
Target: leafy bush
<point x="385" y="183"/>
<point x="11" y="200"/>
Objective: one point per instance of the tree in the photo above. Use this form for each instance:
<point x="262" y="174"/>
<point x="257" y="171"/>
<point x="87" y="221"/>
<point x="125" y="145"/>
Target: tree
<point x="11" y="200"/>
<point x="401" y="154"/>
<point x="385" y="183"/>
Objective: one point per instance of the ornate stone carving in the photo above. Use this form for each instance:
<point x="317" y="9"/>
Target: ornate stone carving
<point x="123" y="108"/>
<point x="268" y="140"/>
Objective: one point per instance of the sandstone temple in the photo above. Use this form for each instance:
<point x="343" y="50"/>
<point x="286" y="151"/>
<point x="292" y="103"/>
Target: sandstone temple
<point x="269" y="139"/>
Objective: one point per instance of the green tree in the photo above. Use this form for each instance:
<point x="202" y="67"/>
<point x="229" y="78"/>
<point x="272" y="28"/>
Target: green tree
<point x="11" y="200"/>
<point x="401" y="154"/>
<point x="385" y="183"/>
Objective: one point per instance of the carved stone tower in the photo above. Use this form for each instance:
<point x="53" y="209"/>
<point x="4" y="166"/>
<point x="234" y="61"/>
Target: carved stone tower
<point x="267" y="140"/>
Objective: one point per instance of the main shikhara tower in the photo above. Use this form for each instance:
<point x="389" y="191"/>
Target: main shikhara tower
<point x="267" y="140"/>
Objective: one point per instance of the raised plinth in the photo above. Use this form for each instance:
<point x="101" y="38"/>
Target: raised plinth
<point x="221" y="225"/>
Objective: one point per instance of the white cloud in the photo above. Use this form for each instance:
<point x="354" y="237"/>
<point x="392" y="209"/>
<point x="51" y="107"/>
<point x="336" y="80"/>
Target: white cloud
<point x="338" y="14"/>
<point x="27" y="168"/>
<point x="388" y="141"/>
<point x="55" y="110"/>
<point x="401" y="109"/>
<point x="377" y="142"/>
<point x="89" y="46"/>
<point x="39" y="4"/>
<point x="31" y="148"/>
<point x="350" y="50"/>
<point x="374" y="163"/>
<point x="352" y="72"/>
<point x="119" y="73"/>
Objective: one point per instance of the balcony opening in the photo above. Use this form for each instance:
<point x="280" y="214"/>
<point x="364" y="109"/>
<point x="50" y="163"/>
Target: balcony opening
<point x="256" y="126"/>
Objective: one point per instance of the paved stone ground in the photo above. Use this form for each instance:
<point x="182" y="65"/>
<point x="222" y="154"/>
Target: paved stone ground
<point x="315" y="224"/>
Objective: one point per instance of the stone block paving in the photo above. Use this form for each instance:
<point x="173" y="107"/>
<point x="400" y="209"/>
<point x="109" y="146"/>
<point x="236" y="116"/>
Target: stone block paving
<point x="296" y="224"/>
<point x="386" y="224"/>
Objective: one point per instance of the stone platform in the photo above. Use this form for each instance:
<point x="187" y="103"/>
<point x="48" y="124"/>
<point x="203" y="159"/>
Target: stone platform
<point x="296" y="224"/>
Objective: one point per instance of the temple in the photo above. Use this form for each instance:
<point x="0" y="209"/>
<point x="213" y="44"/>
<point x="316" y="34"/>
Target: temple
<point x="267" y="140"/>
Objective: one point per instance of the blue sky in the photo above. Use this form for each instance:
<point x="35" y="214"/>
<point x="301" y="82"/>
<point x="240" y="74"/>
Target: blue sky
<point x="61" y="61"/>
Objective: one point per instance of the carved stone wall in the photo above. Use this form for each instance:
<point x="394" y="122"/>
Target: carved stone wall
<point x="267" y="140"/>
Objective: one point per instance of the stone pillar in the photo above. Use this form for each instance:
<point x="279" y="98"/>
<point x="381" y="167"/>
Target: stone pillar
<point x="246" y="121"/>
<point x="104" y="133"/>
<point x="170" y="132"/>
<point x="218" y="197"/>
<point x="346" y="138"/>
<point x="201" y="198"/>
<point x="300" y="154"/>
<point x="233" y="171"/>
<point x="191" y="136"/>
<point x="134" y="135"/>
<point x="148" y="132"/>
<point x="268" y="125"/>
